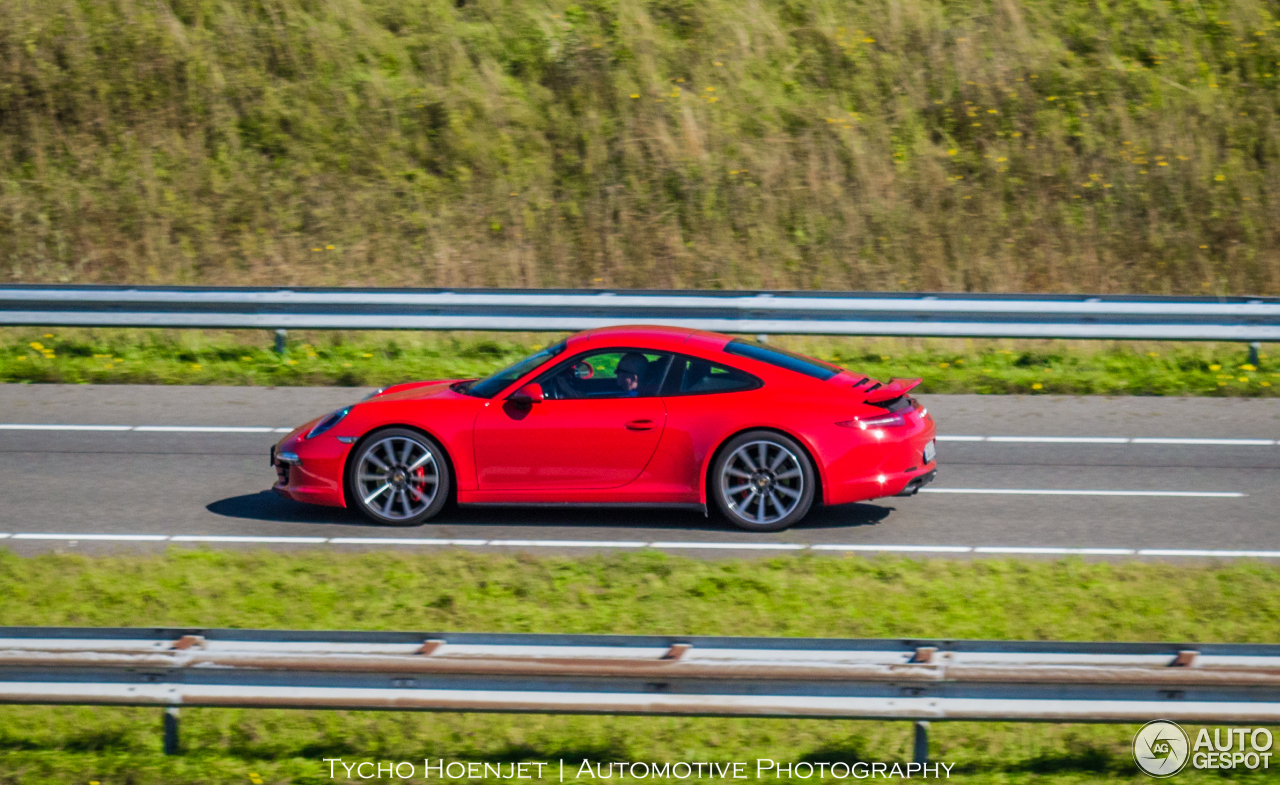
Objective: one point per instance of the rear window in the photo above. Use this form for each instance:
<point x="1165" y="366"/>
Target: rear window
<point x="782" y="358"/>
<point x="695" y="376"/>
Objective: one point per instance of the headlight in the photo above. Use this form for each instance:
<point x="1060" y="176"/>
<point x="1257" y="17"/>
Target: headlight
<point x="328" y="422"/>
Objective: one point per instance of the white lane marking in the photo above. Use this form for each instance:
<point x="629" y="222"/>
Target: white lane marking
<point x="1233" y="442"/>
<point x="243" y="538"/>
<point x="145" y="428"/>
<point x="733" y="546"/>
<point x="568" y="543"/>
<point x="400" y="541"/>
<point x="1061" y="439"/>
<point x="901" y="548"/>
<point x="34" y="427"/>
<point x="202" y="429"/>
<point x="1224" y="554"/>
<point x="107" y="537"/>
<point x="1064" y="551"/>
<point x="1071" y="492"/>
<point x="961" y="438"/>
<point x="789" y="546"/>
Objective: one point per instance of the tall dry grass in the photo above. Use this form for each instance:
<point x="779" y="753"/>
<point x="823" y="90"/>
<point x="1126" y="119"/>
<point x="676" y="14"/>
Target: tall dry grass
<point x="887" y="144"/>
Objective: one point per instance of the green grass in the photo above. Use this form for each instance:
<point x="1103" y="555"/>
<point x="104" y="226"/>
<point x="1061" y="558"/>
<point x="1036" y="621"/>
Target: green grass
<point x="928" y="144"/>
<point x="648" y="593"/>
<point x="379" y="359"/>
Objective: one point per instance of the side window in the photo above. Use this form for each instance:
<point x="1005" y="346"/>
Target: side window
<point x="695" y="376"/>
<point x="612" y="373"/>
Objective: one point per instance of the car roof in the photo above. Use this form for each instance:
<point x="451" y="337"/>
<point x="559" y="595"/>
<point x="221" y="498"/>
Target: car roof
<point x="685" y="340"/>
<point x="648" y="335"/>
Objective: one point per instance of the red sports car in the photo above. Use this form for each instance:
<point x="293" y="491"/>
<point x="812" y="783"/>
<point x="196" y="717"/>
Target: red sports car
<point x="621" y="416"/>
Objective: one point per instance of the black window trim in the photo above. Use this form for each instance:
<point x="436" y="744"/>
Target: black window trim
<point x="757" y="382"/>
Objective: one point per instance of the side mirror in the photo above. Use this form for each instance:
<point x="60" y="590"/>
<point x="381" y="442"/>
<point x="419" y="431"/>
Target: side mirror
<point x="583" y="370"/>
<point x="530" y="393"/>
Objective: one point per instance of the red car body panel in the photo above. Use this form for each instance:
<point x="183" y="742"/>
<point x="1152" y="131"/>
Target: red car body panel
<point x="651" y="450"/>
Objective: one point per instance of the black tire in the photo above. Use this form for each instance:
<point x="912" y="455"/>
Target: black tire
<point x="763" y="495"/>
<point x="414" y="471"/>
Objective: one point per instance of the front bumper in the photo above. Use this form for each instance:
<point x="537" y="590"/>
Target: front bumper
<point x="310" y="470"/>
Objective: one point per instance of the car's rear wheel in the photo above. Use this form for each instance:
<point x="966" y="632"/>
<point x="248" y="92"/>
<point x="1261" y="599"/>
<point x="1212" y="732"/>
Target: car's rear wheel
<point x="763" y="481"/>
<point x="398" y="477"/>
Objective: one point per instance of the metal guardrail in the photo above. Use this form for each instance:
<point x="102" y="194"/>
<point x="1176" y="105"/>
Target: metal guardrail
<point x="1244" y="319"/>
<point x="916" y="680"/>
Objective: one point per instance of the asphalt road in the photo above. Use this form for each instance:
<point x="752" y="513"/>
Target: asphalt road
<point x="192" y="484"/>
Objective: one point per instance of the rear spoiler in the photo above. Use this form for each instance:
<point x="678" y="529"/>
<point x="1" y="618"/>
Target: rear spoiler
<point x="894" y="389"/>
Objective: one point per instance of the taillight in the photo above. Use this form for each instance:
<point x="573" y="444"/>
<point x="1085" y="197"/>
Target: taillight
<point x="893" y="420"/>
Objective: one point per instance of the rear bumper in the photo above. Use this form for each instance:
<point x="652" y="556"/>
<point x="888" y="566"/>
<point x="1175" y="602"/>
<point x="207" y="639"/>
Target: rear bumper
<point x="882" y="485"/>
<point x="874" y="471"/>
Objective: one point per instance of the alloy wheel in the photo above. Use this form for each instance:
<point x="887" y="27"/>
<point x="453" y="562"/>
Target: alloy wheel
<point x="397" y="478"/>
<point x="763" y="482"/>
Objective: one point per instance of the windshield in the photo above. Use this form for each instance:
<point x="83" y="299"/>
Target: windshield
<point x="783" y="359"/>
<point x="487" y="388"/>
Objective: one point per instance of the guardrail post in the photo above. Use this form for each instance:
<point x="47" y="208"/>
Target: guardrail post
<point x="281" y="335"/>
<point x="921" y="752"/>
<point x="1254" y="348"/>
<point x="171" y="731"/>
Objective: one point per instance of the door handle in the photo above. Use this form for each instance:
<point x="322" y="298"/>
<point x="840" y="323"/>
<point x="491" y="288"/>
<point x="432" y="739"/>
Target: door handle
<point x="640" y="425"/>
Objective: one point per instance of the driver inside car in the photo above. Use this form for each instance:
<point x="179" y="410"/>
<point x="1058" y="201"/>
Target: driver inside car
<point x="629" y="374"/>
<point x="631" y="369"/>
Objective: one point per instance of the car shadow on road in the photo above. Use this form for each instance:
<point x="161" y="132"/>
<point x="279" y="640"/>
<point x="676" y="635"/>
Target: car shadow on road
<point x="845" y="516"/>
<point x="268" y="506"/>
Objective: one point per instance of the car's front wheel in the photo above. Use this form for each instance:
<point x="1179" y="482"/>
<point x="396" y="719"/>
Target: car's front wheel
<point x="398" y="477"/>
<point x="763" y="481"/>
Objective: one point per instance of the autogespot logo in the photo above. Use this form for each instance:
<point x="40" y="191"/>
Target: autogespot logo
<point x="1161" y="748"/>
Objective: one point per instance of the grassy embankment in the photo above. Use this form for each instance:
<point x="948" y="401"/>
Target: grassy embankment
<point x="1038" y="145"/>
<point x="378" y="359"/>
<point x="649" y="593"/>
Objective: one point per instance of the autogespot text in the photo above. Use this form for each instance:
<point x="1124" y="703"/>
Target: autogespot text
<point x="1232" y="748"/>
<point x="760" y="769"/>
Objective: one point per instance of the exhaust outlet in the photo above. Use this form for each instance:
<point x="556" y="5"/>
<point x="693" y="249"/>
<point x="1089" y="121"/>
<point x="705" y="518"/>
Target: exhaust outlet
<point x="917" y="483"/>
